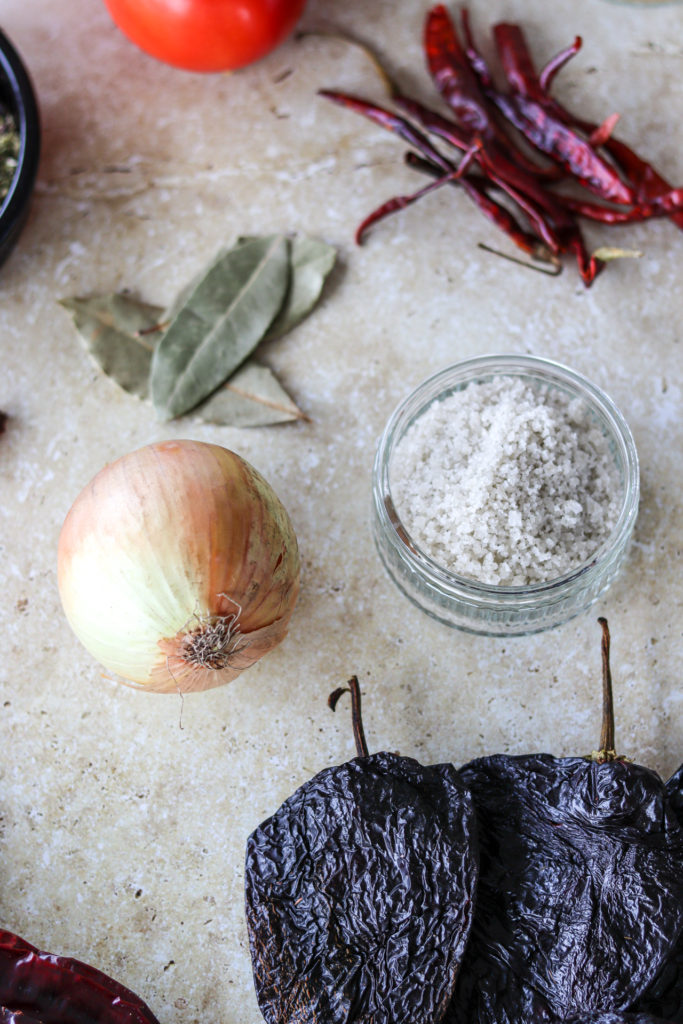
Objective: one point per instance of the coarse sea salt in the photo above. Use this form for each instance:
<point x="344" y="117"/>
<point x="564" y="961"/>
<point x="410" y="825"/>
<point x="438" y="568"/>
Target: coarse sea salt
<point x="506" y="483"/>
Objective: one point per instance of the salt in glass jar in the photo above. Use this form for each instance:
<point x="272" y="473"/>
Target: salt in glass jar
<point x="493" y="609"/>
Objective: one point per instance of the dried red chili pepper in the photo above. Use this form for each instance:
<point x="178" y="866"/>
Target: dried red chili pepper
<point x="542" y="247"/>
<point x="457" y="80"/>
<point x="459" y="86"/>
<point x="545" y="213"/>
<point x="47" y="989"/>
<point x="555" y="228"/>
<point x="556" y="231"/>
<point x="453" y="76"/>
<point x="610" y="215"/>
<point x="649" y="184"/>
<point x="476" y="187"/>
<point x="576" y="155"/>
<point x="553" y="138"/>
<point x="547" y="242"/>
<point x="580" y="894"/>
<point x="392" y="122"/>
<point x="465" y="82"/>
<point x="646" y="182"/>
<point x="400" y="202"/>
<point x="359" y="893"/>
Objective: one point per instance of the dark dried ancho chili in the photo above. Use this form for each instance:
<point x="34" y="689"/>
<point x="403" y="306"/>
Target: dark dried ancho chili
<point x="610" y="1017"/>
<point x="580" y="895"/>
<point x="664" y="996"/>
<point x="359" y="893"/>
<point x="41" y="988"/>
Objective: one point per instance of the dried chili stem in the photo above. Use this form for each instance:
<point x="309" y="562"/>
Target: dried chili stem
<point x="374" y="58"/>
<point x="607" y="749"/>
<point x="352" y="687"/>
<point x="556" y="265"/>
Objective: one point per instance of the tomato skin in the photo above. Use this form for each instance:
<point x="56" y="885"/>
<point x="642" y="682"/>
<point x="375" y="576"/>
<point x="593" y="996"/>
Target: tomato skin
<point x="206" y="35"/>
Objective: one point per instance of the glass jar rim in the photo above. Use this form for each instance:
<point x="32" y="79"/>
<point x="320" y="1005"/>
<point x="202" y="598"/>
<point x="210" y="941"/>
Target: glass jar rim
<point x="437" y="386"/>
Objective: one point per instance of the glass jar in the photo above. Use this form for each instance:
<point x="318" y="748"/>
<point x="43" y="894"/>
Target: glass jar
<point x="496" y="610"/>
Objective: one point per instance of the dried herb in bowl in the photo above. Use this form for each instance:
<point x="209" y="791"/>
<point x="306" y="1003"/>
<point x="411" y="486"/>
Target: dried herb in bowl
<point x="19" y="164"/>
<point x="9" y="151"/>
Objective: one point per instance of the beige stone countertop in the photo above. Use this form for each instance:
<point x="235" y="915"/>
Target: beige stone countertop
<point x="124" y="815"/>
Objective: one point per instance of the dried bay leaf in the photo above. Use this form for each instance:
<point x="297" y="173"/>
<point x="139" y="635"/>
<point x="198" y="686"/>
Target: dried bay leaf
<point x="219" y="323"/>
<point x="120" y="334"/>
<point x="252" y="397"/>
<point x="310" y="261"/>
<point x="110" y="327"/>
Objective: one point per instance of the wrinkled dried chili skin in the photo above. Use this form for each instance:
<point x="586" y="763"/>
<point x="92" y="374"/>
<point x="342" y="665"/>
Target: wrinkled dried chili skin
<point x="574" y="856"/>
<point x="42" y="988"/>
<point x="616" y="1018"/>
<point x="359" y="895"/>
<point x="674" y="794"/>
<point x="664" y="995"/>
<point x="17" y="1017"/>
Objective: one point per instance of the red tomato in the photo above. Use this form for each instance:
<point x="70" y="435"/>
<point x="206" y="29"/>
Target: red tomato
<point x="206" y="35"/>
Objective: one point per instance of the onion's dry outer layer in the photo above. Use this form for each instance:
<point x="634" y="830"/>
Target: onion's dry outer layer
<point x="178" y="566"/>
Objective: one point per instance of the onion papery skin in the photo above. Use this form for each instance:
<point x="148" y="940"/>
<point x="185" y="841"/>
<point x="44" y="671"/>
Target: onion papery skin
<point x="165" y="542"/>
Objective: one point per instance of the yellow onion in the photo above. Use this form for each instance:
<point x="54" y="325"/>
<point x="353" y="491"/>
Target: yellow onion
<point x="178" y="566"/>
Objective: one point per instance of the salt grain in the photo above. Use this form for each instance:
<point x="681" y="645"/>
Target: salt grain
<point x="506" y="483"/>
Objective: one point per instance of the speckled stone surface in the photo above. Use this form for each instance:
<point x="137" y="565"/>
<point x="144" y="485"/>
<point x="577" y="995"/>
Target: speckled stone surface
<point x="123" y="816"/>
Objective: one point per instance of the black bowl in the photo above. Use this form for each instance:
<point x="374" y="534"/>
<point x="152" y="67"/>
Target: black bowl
<point x="18" y="97"/>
